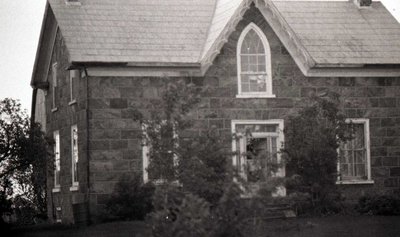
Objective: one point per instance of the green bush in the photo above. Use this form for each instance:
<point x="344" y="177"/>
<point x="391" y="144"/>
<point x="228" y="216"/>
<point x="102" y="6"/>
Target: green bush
<point x="386" y="205"/>
<point x="131" y="199"/>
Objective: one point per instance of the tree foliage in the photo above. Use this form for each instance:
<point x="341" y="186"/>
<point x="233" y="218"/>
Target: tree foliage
<point x="312" y="139"/>
<point x="192" y="167"/>
<point x="131" y="199"/>
<point x="24" y="157"/>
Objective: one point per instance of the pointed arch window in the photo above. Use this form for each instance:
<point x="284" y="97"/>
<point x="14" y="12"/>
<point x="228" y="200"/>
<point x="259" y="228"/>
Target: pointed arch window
<point x="254" y="64"/>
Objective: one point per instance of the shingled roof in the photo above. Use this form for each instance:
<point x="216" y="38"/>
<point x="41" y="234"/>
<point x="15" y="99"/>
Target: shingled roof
<point x="190" y="33"/>
<point x="340" y="33"/>
<point x="135" y="30"/>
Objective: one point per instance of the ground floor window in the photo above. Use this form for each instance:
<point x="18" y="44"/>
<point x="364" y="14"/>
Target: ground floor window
<point x="354" y="155"/>
<point x="74" y="156"/>
<point x="256" y="145"/>
<point x="158" y="146"/>
<point x="57" y="165"/>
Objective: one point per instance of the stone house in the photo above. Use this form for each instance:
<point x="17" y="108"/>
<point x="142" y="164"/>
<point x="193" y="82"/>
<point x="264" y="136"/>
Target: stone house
<point x="98" y="60"/>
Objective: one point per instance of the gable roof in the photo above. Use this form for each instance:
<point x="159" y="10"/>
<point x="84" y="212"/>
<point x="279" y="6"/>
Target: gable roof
<point x="145" y="31"/>
<point x="340" y="33"/>
<point x="191" y="33"/>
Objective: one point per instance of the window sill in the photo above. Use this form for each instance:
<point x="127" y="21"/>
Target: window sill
<point x="56" y="190"/>
<point x="159" y="182"/>
<point x="54" y="110"/>
<point x="356" y="182"/>
<point x="245" y="96"/>
<point x="74" y="188"/>
<point x="72" y="102"/>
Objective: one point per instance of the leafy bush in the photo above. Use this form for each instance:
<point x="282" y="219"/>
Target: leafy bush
<point x="131" y="199"/>
<point x="179" y="214"/>
<point x="203" y="169"/>
<point x="312" y="139"/>
<point x="24" y="210"/>
<point x="385" y="205"/>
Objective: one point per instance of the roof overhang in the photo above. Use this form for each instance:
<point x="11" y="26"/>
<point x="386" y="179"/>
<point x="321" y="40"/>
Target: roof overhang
<point x="302" y="58"/>
<point x="133" y="69"/>
<point x="44" y="50"/>
<point x="288" y="37"/>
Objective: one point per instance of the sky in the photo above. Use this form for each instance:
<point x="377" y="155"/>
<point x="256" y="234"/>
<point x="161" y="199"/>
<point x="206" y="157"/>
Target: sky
<point x="20" y="23"/>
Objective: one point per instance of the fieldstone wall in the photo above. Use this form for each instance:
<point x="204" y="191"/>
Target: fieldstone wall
<point x="62" y="120"/>
<point x="115" y="146"/>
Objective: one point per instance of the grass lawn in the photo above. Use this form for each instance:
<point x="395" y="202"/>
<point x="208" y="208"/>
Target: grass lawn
<point x="343" y="226"/>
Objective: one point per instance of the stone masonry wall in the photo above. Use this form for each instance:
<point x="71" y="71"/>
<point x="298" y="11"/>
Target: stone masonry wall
<point x="62" y="120"/>
<point x="115" y="147"/>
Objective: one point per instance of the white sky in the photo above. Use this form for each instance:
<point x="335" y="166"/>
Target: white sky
<point x="20" y="23"/>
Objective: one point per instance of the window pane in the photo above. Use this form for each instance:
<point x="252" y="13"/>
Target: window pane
<point x="57" y="159"/>
<point x="257" y="156"/>
<point x="262" y="68"/>
<point x="274" y="149"/>
<point x="261" y="153"/>
<point x="261" y="59"/>
<point x="253" y="65"/>
<point x="75" y="158"/>
<point x="250" y="128"/>
<point x="160" y="158"/>
<point x="253" y="87"/>
<point x="245" y="87"/>
<point x="358" y="136"/>
<point x="360" y="157"/>
<point x="252" y="44"/>
<point x="245" y="63"/>
<point x="360" y="170"/>
<point x="245" y="78"/>
<point x="344" y="168"/>
<point x="353" y="156"/>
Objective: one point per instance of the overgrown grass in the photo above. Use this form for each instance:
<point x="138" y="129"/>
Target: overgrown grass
<point x="343" y="226"/>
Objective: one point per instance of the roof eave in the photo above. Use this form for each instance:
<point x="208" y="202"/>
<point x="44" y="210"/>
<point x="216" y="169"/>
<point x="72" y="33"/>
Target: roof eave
<point x="33" y="84"/>
<point x="135" y="64"/>
<point x="366" y="71"/>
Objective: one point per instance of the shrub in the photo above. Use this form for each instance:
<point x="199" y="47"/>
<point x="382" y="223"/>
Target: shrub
<point x="131" y="199"/>
<point x="385" y="205"/>
<point x="203" y="167"/>
<point x="312" y="139"/>
<point x="178" y="214"/>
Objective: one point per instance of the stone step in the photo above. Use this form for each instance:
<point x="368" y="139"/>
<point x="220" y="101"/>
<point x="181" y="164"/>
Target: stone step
<point x="271" y="211"/>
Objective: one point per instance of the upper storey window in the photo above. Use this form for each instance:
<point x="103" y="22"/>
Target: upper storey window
<point x="54" y="88"/>
<point x="254" y="64"/>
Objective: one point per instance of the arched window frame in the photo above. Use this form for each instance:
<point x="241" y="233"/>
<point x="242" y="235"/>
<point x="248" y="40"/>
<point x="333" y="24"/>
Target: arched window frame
<point x="264" y="94"/>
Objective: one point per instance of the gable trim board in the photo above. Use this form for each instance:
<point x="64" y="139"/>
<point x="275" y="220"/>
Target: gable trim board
<point x="45" y="48"/>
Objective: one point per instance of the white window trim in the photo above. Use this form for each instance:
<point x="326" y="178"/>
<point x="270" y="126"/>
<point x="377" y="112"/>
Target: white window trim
<point x="54" y="86"/>
<point x="145" y="157"/>
<point x="75" y="185"/>
<point x="368" y="153"/>
<point x="267" y="49"/>
<point x="281" y="191"/>
<point x="56" y="136"/>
